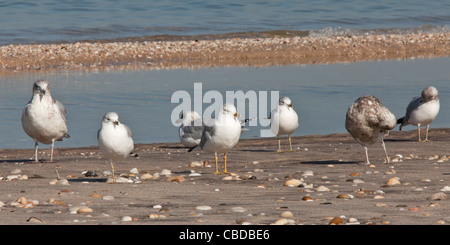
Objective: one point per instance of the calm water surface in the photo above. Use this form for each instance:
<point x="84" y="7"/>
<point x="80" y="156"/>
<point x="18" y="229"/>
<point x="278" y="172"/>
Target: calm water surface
<point x="29" y="21"/>
<point x="320" y="94"/>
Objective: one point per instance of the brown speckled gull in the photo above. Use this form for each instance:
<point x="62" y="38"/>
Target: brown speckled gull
<point x="368" y="121"/>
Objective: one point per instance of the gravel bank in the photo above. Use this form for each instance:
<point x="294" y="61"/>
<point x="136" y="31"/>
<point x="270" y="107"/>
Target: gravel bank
<point x="264" y="51"/>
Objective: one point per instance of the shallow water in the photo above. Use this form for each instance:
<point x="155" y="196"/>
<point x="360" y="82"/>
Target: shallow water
<point x="320" y="94"/>
<point x="30" y="21"/>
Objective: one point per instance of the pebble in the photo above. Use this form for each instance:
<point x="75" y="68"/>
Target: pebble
<point x="203" y="208"/>
<point x="322" y="188"/>
<point x="393" y="181"/>
<point x="134" y="171"/>
<point x="287" y="214"/>
<point x="166" y="172"/>
<point x="238" y="209"/>
<point x="345" y="196"/>
<point x="336" y="221"/>
<point x="177" y="179"/>
<point x="284" y="221"/>
<point x="446" y="188"/>
<point x="293" y="182"/>
<point x="127" y="219"/>
<point x="437" y="196"/>
<point x="108" y="198"/>
<point x="146" y="176"/>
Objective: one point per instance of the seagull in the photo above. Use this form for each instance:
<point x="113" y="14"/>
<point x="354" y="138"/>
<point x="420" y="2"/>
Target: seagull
<point x="114" y="139"/>
<point x="44" y="118"/>
<point x="283" y="120"/>
<point x="368" y="121"/>
<point x="422" y="110"/>
<point x="191" y="128"/>
<point x="222" y="135"/>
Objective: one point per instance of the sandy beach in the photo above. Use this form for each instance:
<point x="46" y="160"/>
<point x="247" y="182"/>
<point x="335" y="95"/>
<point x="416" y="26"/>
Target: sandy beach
<point x="324" y="181"/>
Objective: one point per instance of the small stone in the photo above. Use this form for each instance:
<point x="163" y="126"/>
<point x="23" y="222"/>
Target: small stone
<point x="34" y="220"/>
<point x="358" y="181"/>
<point x="354" y="174"/>
<point x="336" y="221"/>
<point x="378" y="197"/>
<point x="196" y="164"/>
<point x="293" y="182"/>
<point x="134" y="171"/>
<point x="146" y="176"/>
<point x="307" y="199"/>
<point x="238" y="209"/>
<point x="308" y="173"/>
<point x="287" y="214"/>
<point x="446" y="188"/>
<point x="203" y="208"/>
<point x="83" y="210"/>
<point x="177" y="179"/>
<point x="127" y="219"/>
<point x="438" y="196"/>
<point x="344" y="196"/>
<point x="393" y="181"/>
<point x="108" y="198"/>
<point x="282" y="221"/>
<point x="166" y="172"/>
<point x="16" y="171"/>
<point x="322" y="188"/>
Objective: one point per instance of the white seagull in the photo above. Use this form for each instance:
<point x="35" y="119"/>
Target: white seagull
<point x="44" y="118"/>
<point x="191" y="128"/>
<point x="368" y="121"/>
<point x="422" y="110"/>
<point x="222" y="135"/>
<point x="283" y="121"/>
<point x="114" y="139"/>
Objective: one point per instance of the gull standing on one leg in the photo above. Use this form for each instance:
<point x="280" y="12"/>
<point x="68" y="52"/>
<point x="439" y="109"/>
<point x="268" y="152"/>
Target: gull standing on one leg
<point x="114" y="139"/>
<point x="44" y="118"/>
<point x="422" y="110"/>
<point x="284" y="120"/>
<point x="368" y="121"/>
<point x="222" y="135"/>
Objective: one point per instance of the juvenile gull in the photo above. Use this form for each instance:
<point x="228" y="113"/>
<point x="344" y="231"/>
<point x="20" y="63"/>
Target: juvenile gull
<point x="114" y="139"/>
<point x="368" y="121"/>
<point x="191" y="128"/>
<point x="222" y="135"/>
<point x="283" y="120"/>
<point x="422" y="110"/>
<point x="44" y="118"/>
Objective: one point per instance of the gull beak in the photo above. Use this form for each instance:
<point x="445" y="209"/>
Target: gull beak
<point x="116" y="123"/>
<point x="237" y="115"/>
<point x="290" y="105"/>
<point x="41" y="94"/>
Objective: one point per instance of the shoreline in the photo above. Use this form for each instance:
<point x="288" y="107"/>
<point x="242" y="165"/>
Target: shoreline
<point x="230" y="51"/>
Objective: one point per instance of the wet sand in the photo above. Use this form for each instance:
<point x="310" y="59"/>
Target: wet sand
<point x="335" y="182"/>
<point x="198" y="51"/>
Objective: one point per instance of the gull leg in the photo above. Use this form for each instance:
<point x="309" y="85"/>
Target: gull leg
<point x="418" y="132"/>
<point x="367" y="155"/>
<point x="217" y="166"/>
<point x="279" y="146"/>
<point x="426" y="135"/>
<point x="36" y="147"/>
<point x="385" y="152"/>
<point x="112" y="170"/>
<point x="51" y="154"/>
<point x="290" y="145"/>
<point x="225" y="164"/>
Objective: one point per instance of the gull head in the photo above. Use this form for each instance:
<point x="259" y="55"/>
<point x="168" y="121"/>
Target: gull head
<point x="111" y="118"/>
<point x="285" y="101"/>
<point x="429" y="93"/>
<point x="229" y="109"/>
<point x="188" y="116"/>
<point x="41" y="88"/>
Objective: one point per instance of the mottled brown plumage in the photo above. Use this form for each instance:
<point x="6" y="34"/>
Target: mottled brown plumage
<point x="368" y="121"/>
